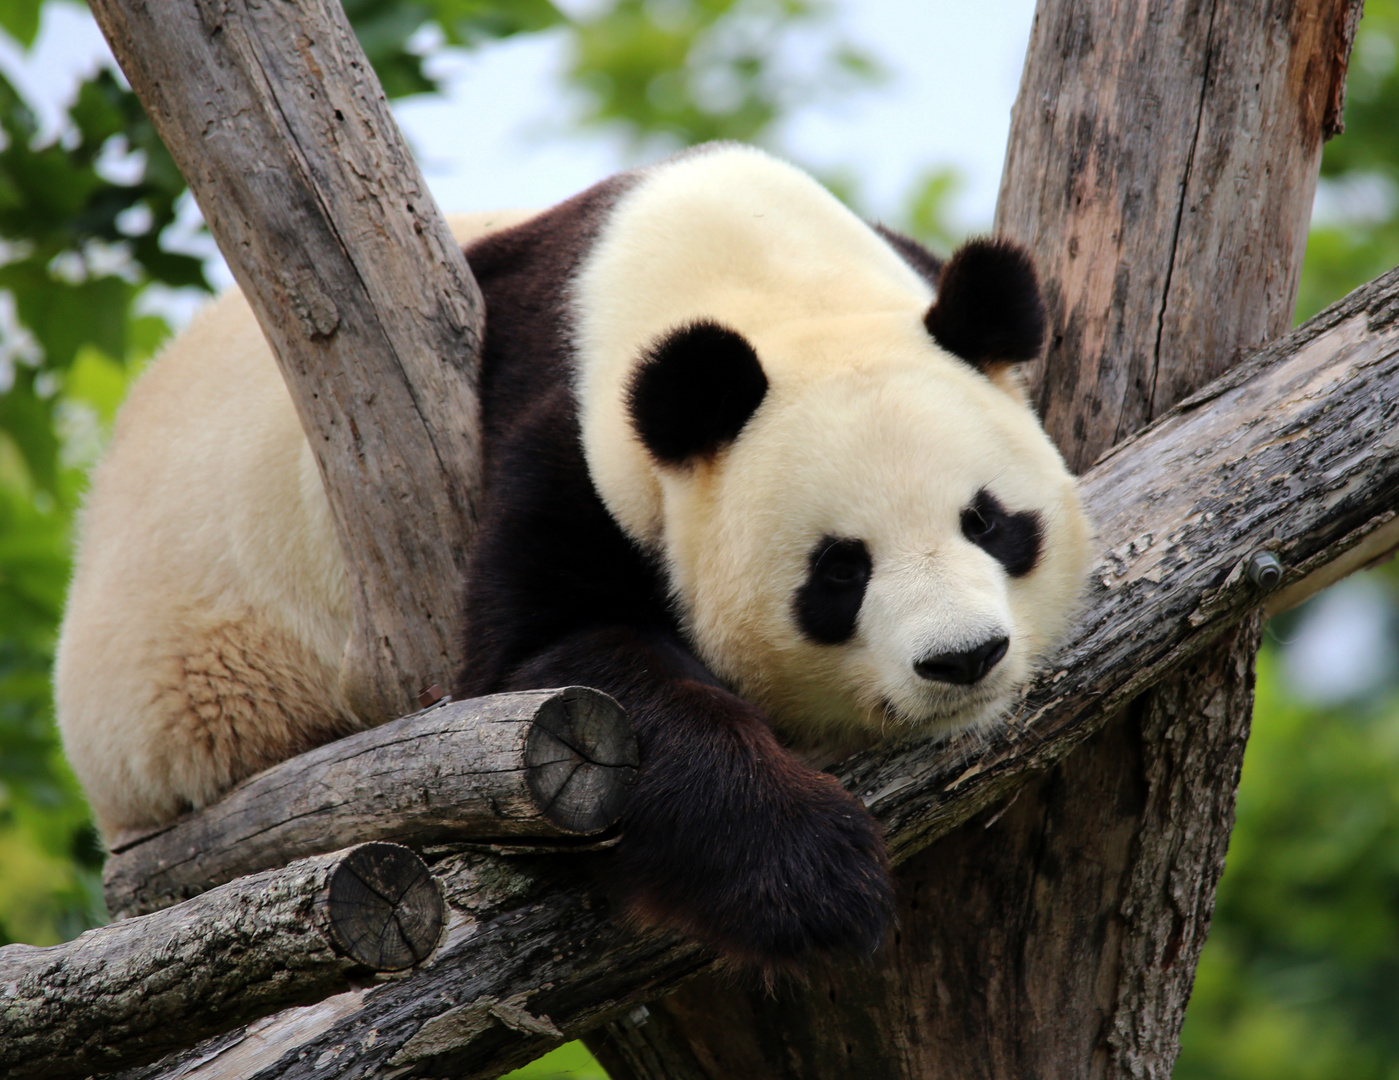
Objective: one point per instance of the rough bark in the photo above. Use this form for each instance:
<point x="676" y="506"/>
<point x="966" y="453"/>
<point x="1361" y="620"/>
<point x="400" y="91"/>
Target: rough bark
<point x="1297" y="450"/>
<point x="280" y="127"/>
<point x="539" y="764"/>
<point x="1161" y="166"/>
<point x="133" y="990"/>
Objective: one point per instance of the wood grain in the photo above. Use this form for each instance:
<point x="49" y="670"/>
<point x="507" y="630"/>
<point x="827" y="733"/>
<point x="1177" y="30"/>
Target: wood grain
<point x="131" y="991"/>
<point x="279" y="125"/>
<point x="1161" y="166"/>
<point x="510" y="767"/>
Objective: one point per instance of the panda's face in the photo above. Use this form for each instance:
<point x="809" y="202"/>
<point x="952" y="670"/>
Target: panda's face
<point x="886" y="546"/>
<point x="816" y="426"/>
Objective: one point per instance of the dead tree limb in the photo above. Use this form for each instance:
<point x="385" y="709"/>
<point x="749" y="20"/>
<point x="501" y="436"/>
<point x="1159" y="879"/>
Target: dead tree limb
<point x="1296" y="452"/>
<point x="280" y="127"/>
<point x="134" y="990"/>
<point x="511" y="767"/>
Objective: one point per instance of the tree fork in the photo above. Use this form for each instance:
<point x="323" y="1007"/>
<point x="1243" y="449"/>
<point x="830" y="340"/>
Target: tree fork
<point x="1161" y="166"/>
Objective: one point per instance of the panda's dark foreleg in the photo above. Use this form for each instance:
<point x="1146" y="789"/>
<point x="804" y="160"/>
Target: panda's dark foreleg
<point x="727" y="838"/>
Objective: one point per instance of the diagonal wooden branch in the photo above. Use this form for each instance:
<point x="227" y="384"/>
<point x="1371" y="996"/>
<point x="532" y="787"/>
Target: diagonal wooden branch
<point x="280" y="126"/>
<point x="1296" y="451"/>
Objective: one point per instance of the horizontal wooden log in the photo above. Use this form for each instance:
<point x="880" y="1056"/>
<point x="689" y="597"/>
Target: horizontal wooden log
<point x="1295" y="452"/>
<point x="538" y="764"/>
<point x="134" y="990"/>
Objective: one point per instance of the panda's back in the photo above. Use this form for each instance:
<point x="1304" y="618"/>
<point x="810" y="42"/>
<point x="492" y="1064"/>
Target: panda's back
<point x="210" y="602"/>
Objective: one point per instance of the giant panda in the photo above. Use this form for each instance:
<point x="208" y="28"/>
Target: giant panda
<point x="765" y="474"/>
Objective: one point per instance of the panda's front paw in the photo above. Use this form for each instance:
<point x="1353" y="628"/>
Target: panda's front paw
<point x="769" y="872"/>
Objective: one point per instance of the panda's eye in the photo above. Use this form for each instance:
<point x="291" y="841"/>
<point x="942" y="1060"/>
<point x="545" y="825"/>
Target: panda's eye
<point x="1012" y="539"/>
<point x="827" y="605"/>
<point x="977" y="524"/>
<point x="844" y="564"/>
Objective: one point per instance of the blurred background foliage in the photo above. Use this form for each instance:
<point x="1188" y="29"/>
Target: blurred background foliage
<point x="1300" y="978"/>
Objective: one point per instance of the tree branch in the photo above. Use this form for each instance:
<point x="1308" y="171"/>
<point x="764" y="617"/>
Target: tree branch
<point x="538" y="764"/>
<point x="136" y="989"/>
<point x="280" y="126"/>
<point x="1296" y="452"/>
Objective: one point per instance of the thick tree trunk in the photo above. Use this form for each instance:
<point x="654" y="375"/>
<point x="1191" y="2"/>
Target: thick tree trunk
<point x="1161" y="165"/>
<point x="280" y="126"/>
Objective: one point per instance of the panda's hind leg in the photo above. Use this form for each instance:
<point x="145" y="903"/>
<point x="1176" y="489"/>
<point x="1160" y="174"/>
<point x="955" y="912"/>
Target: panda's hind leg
<point x="187" y="715"/>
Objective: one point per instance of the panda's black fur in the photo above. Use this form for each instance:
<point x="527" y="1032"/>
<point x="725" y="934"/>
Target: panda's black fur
<point x="727" y="837"/>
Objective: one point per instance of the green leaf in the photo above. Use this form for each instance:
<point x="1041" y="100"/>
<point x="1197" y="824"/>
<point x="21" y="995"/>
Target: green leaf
<point x="27" y="419"/>
<point x="64" y="316"/>
<point x="20" y="19"/>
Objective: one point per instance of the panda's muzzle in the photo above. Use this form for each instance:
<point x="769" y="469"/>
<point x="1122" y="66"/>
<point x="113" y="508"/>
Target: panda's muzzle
<point x="964" y="668"/>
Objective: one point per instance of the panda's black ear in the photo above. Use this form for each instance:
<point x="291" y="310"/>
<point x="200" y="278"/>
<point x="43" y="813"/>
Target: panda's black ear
<point x="988" y="309"/>
<point x="693" y="392"/>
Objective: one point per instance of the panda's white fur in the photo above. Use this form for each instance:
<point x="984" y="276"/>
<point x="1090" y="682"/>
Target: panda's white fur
<point x="209" y="604"/>
<point x="870" y="429"/>
<point x="209" y="607"/>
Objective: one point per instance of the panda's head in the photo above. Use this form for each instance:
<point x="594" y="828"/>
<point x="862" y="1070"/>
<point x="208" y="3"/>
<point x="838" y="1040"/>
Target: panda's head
<point x="865" y="529"/>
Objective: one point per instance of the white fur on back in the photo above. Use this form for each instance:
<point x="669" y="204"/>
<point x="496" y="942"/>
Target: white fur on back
<point x="209" y="605"/>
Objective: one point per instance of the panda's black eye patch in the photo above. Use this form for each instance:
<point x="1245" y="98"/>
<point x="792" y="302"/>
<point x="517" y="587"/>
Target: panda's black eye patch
<point x="1013" y="540"/>
<point x="828" y="603"/>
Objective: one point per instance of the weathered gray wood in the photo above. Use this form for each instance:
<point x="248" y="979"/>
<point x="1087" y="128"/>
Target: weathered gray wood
<point x="1298" y="450"/>
<point x="543" y="763"/>
<point x="280" y="126"/>
<point x="1161" y="165"/>
<point x="131" y="991"/>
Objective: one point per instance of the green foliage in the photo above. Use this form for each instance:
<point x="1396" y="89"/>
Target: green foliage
<point x="688" y="71"/>
<point x="386" y="30"/>
<point x="569" y="1062"/>
<point x="1300" y="978"/>
<point x="20" y="19"/>
<point x="1345" y="255"/>
<point x="928" y="216"/>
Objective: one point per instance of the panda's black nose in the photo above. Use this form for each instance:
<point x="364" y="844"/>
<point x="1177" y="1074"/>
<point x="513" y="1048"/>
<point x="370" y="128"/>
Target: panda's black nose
<point x="964" y="668"/>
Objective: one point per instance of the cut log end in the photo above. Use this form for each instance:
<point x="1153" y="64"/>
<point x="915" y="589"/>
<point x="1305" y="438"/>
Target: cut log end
<point x="581" y="760"/>
<point x="384" y="907"/>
